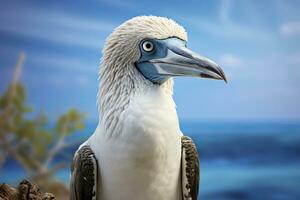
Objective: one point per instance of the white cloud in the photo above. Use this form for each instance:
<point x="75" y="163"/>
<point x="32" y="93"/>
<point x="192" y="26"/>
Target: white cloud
<point x="290" y="29"/>
<point x="63" y="62"/>
<point x="232" y="65"/>
<point x="128" y="5"/>
<point x="60" y="81"/>
<point x="227" y="27"/>
<point x="56" y="27"/>
<point x="57" y="80"/>
<point x="224" y="12"/>
<point x="83" y="81"/>
<point x="230" y="60"/>
<point x="295" y="58"/>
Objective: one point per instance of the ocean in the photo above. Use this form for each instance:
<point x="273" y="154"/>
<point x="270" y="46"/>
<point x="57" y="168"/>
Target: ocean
<point x="238" y="160"/>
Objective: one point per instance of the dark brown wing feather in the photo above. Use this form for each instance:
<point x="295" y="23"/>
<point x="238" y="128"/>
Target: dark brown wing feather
<point x="83" y="175"/>
<point x="190" y="169"/>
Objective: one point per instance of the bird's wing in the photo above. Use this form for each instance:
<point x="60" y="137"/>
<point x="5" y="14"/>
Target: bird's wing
<point x="190" y="169"/>
<point x="84" y="175"/>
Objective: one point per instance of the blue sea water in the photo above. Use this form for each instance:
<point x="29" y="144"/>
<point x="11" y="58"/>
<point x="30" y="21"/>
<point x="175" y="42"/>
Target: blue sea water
<point x="239" y="160"/>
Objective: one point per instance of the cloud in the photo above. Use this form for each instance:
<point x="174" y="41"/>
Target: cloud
<point x="58" y="62"/>
<point x="50" y="61"/>
<point x="290" y="29"/>
<point x="78" y="80"/>
<point x="232" y="65"/>
<point x="66" y="29"/>
<point x="292" y="60"/>
<point x="224" y="11"/>
<point x="83" y="81"/>
<point x="227" y="27"/>
<point x="59" y="81"/>
<point x="295" y="59"/>
<point x="127" y="5"/>
<point x="230" y="60"/>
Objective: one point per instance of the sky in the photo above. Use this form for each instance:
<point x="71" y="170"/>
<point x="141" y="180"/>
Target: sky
<point x="257" y="43"/>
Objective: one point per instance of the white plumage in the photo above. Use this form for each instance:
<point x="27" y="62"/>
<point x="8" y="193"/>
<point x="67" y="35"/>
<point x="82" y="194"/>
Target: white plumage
<point x="142" y="159"/>
<point x="138" y="149"/>
<point x="138" y="140"/>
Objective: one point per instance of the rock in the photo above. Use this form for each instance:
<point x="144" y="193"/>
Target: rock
<point x="25" y="191"/>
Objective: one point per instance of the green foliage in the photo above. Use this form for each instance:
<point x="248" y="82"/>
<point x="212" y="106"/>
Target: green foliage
<point x="30" y="140"/>
<point x="12" y="107"/>
<point x="69" y="123"/>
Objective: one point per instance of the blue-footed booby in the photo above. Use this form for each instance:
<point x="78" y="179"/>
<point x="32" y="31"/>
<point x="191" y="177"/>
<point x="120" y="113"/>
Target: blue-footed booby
<point x="137" y="150"/>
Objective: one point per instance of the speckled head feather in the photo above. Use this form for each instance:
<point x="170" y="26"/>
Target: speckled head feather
<point x="125" y="39"/>
<point x="118" y="74"/>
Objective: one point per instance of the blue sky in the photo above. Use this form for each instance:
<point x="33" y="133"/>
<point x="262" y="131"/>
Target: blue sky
<point x="257" y="43"/>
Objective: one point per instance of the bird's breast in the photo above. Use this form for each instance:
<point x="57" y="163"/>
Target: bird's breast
<point x="145" y="159"/>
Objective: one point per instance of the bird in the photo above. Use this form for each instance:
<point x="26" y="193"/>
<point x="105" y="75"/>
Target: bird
<point x="137" y="150"/>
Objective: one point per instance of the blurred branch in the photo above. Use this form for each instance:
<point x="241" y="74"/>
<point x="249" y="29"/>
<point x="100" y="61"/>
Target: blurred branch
<point x="11" y="93"/>
<point x="12" y="152"/>
<point x="30" y="141"/>
<point x="18" y="70"/>
<point x="66" y="124"/>
<point x="53" y="152"/>
<point x="48" y="173"/>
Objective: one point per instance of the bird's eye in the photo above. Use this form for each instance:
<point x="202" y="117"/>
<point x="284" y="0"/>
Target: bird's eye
<point x="148" y="46"/>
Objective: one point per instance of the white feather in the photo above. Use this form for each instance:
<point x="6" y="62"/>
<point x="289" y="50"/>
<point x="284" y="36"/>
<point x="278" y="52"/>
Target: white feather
<point x="138" y="140"/>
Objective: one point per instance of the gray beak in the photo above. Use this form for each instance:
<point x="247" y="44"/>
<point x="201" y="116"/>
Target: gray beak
<point x="180" y="61"/>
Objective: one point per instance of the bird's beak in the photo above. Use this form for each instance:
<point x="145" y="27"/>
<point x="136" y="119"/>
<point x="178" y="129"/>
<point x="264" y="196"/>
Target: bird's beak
<point x="180" y="61"/>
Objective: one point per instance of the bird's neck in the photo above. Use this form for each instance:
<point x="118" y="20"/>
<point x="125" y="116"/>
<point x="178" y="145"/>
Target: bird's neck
<point x="118" y="87"/>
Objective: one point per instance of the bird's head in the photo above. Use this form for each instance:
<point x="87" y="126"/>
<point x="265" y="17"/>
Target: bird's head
<point x="156" y="48"/>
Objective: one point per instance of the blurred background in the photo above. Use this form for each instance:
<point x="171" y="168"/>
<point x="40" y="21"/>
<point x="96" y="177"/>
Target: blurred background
<point x="247" y="132"/>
